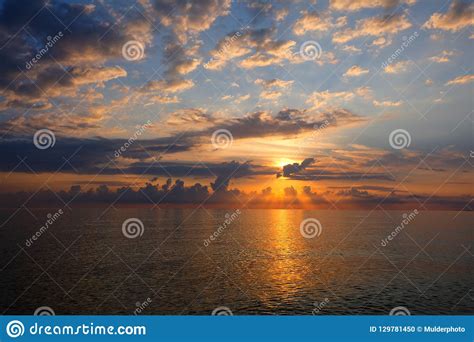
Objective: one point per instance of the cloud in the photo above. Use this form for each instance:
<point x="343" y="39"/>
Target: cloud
<point x="326" y="98"/>
<point x="87" y="41"/>
<point x="398" y="67"/>
<point x="258" y="48"/>
<point x="68" y="120"/>
<point x="306" y="171"/>
<point x="163" y="99"/>
<point x="281" y="14"/>
<point x="356" y="5"/>
<point x="180" y="60"/>
<point x="193" y="117"/>
<point x="311" y="21"/>
<point x="287" y="122"/>
<point x="168" y="86"/>
<point x="381" y="42"/>
<point x="351" y="49"/>
<point x="364" y="92"/>
<point x="186" y="18"/>
<point x="226" y="171"/>
<point x="443" y="57"/>
<point x="290" y="192"/>
<point x="275" y="82"/>
<point x="290" y="169"/>
<point x="355" y="71"/>
<point x="177" y="193"/>
<point x="56" y="81"/>
<point x="90" y="156"/>
<point x="376" y="26"/>
<point x="93" y="154"/>
<point x="35" y="73"/>
<point x="460" y="15"/>
<point x="387" y="103"/>
<point x="242" y="98"/>
<point x="398" y="199"/>
<point x="464" y="79"/>
<point x="270" y="94"/>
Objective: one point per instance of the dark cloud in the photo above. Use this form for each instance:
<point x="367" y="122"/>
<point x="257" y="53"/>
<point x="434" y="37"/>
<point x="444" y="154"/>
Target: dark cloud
<point x="89" y="156"/>
<point x="290" y="169"/>
<point x="313" y="196"/>
<point x="287" y="122"/>
<point x="85" y="40"/>
<point x="305" y="171"/>
<point x="104" y="156"/>
<point x="187" y="18"/>
<point x="177" y="193"/>
<point x="458" y="16"/>
<point x="400" y="199"/>
<point x="315" y="175"/>
<point x="290" y="192"/>
<point x="369" y="187"/>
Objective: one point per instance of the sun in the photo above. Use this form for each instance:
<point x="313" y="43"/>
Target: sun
<point x="283" y="161"/>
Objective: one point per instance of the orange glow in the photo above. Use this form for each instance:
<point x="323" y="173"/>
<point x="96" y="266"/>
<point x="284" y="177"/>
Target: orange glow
<point x="284" y="161"/>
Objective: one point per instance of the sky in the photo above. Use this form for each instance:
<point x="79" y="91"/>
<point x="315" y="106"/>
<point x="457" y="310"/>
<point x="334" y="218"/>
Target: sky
<point x="326" y="104"/>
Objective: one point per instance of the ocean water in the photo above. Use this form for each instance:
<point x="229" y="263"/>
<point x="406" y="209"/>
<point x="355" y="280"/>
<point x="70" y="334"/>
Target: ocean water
<point x="259" y="263"/>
